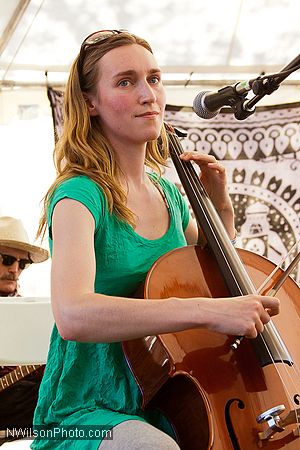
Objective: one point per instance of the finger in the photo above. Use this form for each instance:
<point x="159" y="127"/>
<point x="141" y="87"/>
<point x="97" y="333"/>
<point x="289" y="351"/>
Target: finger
<point x="197" y="156"/>
<point x="251" y="333"/>
<point x="272" y="304"/>
<point x="259" y="326"/>
<point x="265" y="317"/>
<point x="216" y="166"/>
<point x="203" y="160"/>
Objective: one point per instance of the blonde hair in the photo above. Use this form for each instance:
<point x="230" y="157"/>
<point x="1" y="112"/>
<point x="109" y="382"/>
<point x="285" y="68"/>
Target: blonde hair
<point x="83" y="149"/>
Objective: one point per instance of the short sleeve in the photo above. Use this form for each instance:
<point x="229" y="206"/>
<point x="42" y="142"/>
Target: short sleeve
<point x="85" y="191"/>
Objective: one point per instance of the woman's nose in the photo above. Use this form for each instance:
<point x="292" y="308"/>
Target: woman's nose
<point x="147" y="94"/>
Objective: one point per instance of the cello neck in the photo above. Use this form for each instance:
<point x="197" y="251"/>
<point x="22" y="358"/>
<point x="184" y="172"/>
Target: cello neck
<point x="234" y="273"/>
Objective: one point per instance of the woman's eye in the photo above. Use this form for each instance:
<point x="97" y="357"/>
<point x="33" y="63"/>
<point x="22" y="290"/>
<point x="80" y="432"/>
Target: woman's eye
<point x="124" y="83"/>
<point x="155" y="79"/>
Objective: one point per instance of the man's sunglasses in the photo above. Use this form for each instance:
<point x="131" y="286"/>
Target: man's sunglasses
<point x="92" y="39"/>
<point x="9" y="260"/>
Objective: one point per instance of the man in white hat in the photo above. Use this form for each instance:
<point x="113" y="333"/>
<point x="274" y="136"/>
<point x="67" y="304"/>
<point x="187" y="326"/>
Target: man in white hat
<point x="17" y="403"/>
<point x="16" y="254"/>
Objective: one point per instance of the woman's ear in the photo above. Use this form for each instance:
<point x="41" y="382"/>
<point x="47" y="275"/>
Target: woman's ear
<point x="90" y="105"/>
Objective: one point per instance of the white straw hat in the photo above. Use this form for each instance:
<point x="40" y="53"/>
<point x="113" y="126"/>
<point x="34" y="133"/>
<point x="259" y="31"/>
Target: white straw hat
<point x="14" y="235"/>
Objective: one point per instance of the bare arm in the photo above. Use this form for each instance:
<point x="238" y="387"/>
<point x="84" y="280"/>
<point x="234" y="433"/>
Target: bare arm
<point x="85" y="316"/>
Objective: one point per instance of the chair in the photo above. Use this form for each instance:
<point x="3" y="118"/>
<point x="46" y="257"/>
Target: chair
<point x="25" y="327"/>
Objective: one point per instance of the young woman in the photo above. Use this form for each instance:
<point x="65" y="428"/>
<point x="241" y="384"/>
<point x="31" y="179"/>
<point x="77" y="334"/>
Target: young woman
<point x="109" y="221"/>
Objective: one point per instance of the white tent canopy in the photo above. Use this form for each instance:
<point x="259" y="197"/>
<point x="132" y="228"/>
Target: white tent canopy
<point x="193" y="40"/>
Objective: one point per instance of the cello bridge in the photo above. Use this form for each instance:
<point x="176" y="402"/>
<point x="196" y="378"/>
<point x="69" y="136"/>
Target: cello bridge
<point x="276" y="424"/>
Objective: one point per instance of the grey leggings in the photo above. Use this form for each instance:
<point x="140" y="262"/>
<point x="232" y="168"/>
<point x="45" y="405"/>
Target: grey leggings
<point x="138" y="435"/>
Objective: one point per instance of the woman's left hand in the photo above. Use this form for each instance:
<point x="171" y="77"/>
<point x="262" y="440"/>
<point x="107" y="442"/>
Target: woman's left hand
<point x="214" y="179"/>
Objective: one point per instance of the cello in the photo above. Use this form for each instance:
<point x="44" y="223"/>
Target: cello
<point x="215" y="393"/>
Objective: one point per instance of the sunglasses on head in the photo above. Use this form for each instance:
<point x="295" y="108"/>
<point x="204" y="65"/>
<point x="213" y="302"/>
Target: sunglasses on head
<point x="94" y="38"/>
<point x="9" y="260"/>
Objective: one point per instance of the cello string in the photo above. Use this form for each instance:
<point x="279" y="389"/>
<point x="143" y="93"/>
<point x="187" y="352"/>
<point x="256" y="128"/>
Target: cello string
<point x="193" y="183"/>
<point x="288" y="376"/>
<point x="177" y="150"/>
<point x="283" y="382"/>
<point x="273" y="292"/>
<point x="191" y="175"/>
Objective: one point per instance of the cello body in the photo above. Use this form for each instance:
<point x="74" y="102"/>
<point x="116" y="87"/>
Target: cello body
<point x="212" y="394"/>
<point x="216" y="396"/>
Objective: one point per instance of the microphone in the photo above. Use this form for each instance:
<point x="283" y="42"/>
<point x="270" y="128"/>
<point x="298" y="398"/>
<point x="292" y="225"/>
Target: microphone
<point x="207" y="104"/>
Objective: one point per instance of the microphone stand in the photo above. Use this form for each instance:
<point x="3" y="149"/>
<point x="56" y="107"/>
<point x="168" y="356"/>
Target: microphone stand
<point x="264" y="86"/>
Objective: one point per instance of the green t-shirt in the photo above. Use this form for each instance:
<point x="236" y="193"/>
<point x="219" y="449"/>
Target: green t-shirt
<point x="90" y="383"/>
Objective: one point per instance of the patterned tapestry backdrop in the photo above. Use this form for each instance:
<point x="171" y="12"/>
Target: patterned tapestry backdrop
<point x="262" y="158"/>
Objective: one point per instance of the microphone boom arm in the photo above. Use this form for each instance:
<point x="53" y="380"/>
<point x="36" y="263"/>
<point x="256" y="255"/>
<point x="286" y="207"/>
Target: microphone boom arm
<point x="264" y="86"/>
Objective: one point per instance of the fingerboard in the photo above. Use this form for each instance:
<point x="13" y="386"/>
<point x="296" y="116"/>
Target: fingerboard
<point x="12" y="377"/>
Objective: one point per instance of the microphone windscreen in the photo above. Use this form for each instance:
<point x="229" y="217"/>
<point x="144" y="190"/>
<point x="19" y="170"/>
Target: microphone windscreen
<point x="200" y="108"/>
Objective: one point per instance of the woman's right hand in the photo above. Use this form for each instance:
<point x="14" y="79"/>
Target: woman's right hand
<point x="240" y="316"/>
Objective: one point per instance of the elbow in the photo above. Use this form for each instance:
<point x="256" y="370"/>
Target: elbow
<point x="66" y="323"/>
<point x="66" y="329"/>
<point x="66" y="332"/>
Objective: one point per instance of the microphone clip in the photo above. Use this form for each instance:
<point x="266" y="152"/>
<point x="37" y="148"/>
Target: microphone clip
<point x="264" y="86"/>
<point x="236" y="98"/>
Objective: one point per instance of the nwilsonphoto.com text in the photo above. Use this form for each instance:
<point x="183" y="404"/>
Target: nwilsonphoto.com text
<point x="71" y="432"/>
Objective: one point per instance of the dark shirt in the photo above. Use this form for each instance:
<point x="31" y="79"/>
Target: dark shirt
<point x="18" y="401"/>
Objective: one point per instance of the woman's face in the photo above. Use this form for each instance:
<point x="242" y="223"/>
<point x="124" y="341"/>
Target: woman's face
<point x="130" y="98"/>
